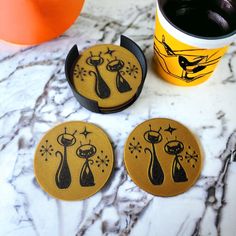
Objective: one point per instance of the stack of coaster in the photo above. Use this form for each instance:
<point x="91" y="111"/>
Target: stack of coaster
<point x="107" y="78"/>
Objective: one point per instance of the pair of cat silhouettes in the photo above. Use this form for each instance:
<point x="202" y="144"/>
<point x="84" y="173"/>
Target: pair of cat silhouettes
<point x="85" y="151"/>
<point x="101" y="88"/>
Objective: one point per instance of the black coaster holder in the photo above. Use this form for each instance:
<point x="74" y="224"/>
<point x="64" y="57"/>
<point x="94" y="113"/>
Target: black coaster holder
<point x="92" y="105"/>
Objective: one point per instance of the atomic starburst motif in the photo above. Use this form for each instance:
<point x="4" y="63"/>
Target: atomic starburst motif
<point x="135" y="147"/>
<point x="132" y="70"/>
<point x="46" y="150"/>
<point x="170" y="129"/>
<point x="191" y="157"/>
<point x="109" y="51"/>
<point x="80" y="72"/>
<point x="85" y="132"/>
<point x="102" y="161"/>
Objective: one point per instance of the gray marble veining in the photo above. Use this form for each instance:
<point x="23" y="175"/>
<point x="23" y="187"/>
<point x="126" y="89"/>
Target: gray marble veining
<point x="35" y="96"/>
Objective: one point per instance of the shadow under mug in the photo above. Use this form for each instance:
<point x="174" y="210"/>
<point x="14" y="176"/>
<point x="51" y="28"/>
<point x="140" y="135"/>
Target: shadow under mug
<point x="187" y="50"/>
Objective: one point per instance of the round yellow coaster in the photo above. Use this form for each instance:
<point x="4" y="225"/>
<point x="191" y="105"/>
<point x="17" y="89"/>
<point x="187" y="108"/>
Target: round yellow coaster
<point x="108" y="74"/>
<point x="73" y="160"/>
<point x="163" y="157"/>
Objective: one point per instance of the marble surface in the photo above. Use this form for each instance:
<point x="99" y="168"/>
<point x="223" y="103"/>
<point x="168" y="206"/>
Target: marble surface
<point x="35" y="96"/>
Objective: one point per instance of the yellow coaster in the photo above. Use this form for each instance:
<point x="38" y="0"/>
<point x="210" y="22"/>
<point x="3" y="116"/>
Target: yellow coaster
<point x="163" y="157"/>
<point x="73" y="160"/>
<point x="108" y="74"/>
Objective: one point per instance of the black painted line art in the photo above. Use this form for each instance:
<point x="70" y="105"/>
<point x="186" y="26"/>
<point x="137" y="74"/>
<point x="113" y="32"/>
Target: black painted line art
<point x="212" y="55"/>
<point x="135" y="147"/>
<point x="177" y="52"/>
<point x="85" y="132"/>
<point x="192" y="67"/>
<point x="132" y="70"/>
<point x="101" y="88"/>
<point x="160" y="59"/>
<point x="185" y="51"/>
<point x="155" y="172"/>
<point x="102" y="161"/>
<point x="109" y="51"/>
<point x="189" y="63"/>
<point x="189" y="67"/>
<point x="46" y="150"/>
<point x="86" y="151"/>
<point x="116" y="66"/>
<point x="175" y="147"/>
<point x="191" y="157"/>
<point x="170" y="129"/>
<point x="80" y="72"/>
<point x="168" y="49"/>
<point x="63" y="176"/>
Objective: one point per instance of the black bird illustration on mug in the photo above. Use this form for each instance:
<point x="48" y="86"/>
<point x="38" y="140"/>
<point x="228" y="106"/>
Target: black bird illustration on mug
<point x="167" y="48"/>
<point x="190" y="67"/>
<point x="191" y="61"/>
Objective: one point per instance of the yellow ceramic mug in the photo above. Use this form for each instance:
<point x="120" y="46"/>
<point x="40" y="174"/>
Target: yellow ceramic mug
<point x="183" y="57"/>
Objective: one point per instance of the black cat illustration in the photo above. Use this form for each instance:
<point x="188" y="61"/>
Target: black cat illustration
<point x="101" y="88"/>
<point x="86" y="151"/>
<point x="155" y="172"/>
<point x="175" y="147"/>
<point x="63" y="175"/>
<point x="116" y="66"/>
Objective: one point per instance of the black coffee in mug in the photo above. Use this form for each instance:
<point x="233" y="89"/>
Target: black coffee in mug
<point x="204" y="18"/>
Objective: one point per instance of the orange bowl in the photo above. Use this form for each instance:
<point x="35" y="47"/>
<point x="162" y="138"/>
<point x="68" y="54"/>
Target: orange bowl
<point x="30" y="22"/>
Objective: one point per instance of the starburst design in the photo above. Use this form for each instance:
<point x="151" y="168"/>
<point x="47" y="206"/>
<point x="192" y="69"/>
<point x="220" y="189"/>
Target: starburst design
<point x="109" y="51"/>
<point x="85" y="132"/>
<point x="132" y="70"/>
<point x="46" y="150"/>
<point x="102" y="161"/>
<point x="191" y="157"/>
<point x="135" y="147"/>
<point x="170" y="129"/>
<point x="80" y="72"/>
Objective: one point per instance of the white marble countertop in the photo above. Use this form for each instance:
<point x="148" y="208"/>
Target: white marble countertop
<point x="35" y="97"/>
